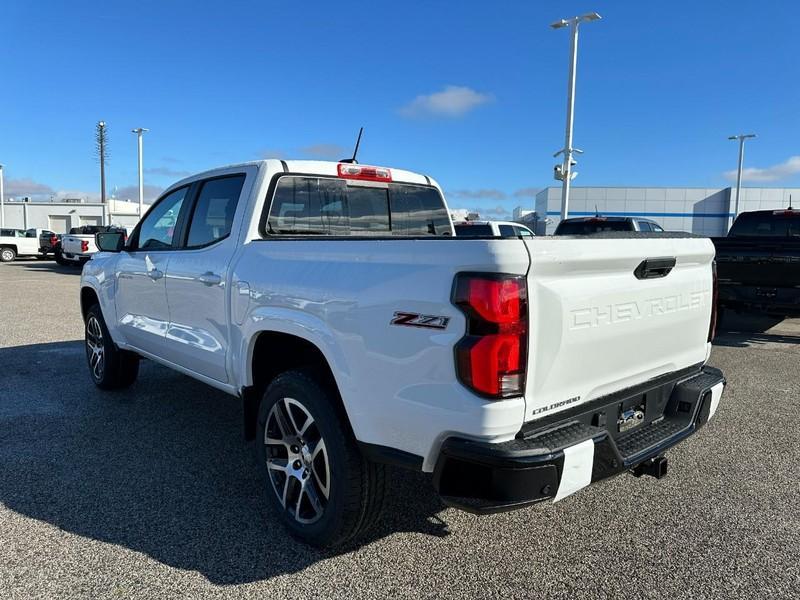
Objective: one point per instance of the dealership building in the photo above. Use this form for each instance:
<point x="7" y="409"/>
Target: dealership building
<point x="704" y="211"/>
<point x="60" y="217"/>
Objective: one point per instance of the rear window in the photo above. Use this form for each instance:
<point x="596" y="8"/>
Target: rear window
<point x="474" y="231"/>
<point x="326" y="206"/>
<point x="778" y="224"/>
<point x="589" y="227"/>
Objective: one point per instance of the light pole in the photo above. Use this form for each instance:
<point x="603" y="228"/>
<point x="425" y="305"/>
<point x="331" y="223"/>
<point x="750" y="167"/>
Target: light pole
<point x="566" y="168"/>
<point x="139" y="131"/>
<point x="2" y="200"/>
<point x="741" y="137"/>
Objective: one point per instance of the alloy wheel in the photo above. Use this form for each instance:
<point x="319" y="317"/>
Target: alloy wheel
<point x="94" y="347"/>
<point x="297" y="461"/>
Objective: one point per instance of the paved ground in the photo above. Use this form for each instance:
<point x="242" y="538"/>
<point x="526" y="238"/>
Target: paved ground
<point x="152" y="493"/>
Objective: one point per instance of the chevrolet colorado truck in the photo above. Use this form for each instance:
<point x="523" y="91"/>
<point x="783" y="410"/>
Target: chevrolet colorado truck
<point x="758" y="263"/>
<point x="357" y="331"/>
<point x="78" y="245"/>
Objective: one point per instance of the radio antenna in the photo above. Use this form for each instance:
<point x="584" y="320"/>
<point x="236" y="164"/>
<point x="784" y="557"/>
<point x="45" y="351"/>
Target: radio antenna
<point x="355" y="151"/>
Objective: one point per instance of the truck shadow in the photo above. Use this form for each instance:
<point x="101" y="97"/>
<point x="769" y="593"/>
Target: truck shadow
<point x="742" y="330"/>
<point x="160" y="468"/>
<point x="52" y="265"/>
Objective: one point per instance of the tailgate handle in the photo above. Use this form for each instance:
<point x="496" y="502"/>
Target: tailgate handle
<point x="653" y="268"/>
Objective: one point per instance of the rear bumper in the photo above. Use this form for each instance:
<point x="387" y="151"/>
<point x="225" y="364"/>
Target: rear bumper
<point x="779" y="300"/>
<point x="549" y="461"/>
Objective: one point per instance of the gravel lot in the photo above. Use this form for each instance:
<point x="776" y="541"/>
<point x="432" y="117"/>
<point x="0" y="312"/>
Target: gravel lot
<point x="151" y="492"/>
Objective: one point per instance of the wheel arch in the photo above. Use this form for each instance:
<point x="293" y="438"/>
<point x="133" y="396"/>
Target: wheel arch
<point x="89" y="298"/>
<point x="272" y="352"/>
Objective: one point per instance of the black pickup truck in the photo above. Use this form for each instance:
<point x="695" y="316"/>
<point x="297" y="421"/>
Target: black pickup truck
<point x="758" y="263"/>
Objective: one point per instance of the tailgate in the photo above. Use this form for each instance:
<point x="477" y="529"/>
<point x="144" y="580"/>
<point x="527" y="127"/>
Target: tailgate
<point x="71" y="244"/>
<point x="766" y="262"/>
<point x="597" y="328"/>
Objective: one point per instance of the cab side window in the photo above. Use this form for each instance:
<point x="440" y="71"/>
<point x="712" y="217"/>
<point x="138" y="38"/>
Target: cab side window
<point x="213" y="213"/>
<point x="521" y="231"/>
<point x="159" y="229"/>
<point x="506" y="231"/>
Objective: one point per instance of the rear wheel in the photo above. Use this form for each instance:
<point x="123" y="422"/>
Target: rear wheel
<point x="325" y="491"/>
<point x="7" y="254"/>
<point x="60" y="257"/>
<point x="109" y="367"/>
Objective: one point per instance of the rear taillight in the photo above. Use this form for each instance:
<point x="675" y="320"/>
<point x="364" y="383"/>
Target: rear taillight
<point x="491" y="358"/>
<point x="53" y="240"/>
<point x="84" y="246"/>
<point x="353" y="171"/>
<point x="712" y="327"/>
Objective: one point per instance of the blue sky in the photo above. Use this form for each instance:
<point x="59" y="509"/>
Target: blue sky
<point x="471" y="93"/>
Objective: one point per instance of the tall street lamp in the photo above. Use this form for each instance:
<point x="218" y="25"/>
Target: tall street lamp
<point x="565" y="173"/>
<point x="741" y="137"/>
<point x="139" y="131"/>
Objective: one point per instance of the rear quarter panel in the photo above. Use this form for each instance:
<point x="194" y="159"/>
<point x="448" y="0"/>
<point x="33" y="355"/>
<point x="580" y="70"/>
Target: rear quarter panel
<point x="398" y="383"/>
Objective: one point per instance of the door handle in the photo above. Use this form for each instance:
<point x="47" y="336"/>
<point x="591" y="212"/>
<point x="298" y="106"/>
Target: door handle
<point x="209" y="278"/>
<point x="653" y="268"/>
<point x="155" y="274"/>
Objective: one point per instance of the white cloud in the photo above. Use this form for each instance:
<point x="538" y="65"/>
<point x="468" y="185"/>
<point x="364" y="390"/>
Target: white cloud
<point x="528" y="192"/>
<point x="271" y="153"/>
<point x="452" y="101"/>
<point x="789" y="167"/>
<point x="325" y="151"/>
<point x="498" y="213"/>
<point x="26" y="187"/>
<point x="494" y="194"/>
<point x="167" y="172"/>
<point x="131" y="192"/>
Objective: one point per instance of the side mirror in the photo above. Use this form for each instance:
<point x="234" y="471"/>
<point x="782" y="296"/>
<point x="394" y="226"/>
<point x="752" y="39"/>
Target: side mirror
<point x="110" y="241"/>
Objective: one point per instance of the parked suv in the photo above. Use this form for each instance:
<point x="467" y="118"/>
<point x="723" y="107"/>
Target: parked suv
<point x="504" y="229"/>
<point x="599" y="224"/>
<point x="18" y="242"/>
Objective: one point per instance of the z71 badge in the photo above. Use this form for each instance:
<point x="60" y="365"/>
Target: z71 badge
<point x="416" y="320"/>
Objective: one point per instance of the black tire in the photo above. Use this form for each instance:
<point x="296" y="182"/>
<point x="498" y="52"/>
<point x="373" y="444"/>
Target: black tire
<point x="7" y="254"/>
<point x="356" y="487"/>
<point x="60" y="257"/>
<point x="109" y="367"/>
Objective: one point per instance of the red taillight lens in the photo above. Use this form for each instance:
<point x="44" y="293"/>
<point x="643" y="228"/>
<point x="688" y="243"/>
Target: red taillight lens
<point x="84" y="246"/>
<point x="712" y="327"/>
<point x="53" y="240"/>
<point x="491" y="358"/>
<point x="353" y="171"/>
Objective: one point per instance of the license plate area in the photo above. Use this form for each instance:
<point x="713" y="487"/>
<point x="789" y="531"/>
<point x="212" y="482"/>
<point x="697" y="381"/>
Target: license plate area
<point x="631" y="413"/>
<point x="766" y="292"/>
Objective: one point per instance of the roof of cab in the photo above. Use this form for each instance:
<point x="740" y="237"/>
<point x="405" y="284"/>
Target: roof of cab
<point x="310" y="167"/>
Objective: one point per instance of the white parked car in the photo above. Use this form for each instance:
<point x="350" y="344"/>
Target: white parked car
<point x="504" y="229"/>
<point x="335" y="303"/>
<point x="18" y="242"/>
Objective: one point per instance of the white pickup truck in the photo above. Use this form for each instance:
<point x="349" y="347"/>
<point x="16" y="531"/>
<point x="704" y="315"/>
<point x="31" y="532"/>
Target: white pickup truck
<point x="334" y="300"/>
<point x="18" y="242"/>
<point x="78" y="245"/>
